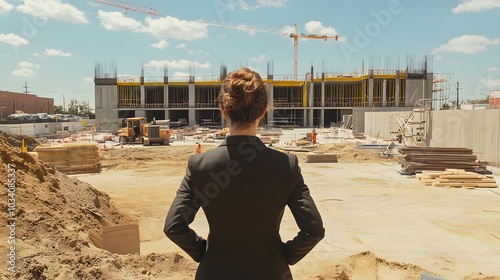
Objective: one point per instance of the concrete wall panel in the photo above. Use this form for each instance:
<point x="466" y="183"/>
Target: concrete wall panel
<point x="474" y="129"/>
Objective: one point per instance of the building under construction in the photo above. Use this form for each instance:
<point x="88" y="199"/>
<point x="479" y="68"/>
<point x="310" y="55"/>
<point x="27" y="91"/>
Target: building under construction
<point x="317" y="100"/>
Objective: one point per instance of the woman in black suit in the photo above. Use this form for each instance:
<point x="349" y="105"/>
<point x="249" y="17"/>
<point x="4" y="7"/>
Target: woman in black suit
<point x="243" y="188"/>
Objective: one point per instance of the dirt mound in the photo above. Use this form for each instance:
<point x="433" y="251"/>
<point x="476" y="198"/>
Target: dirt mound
<point x="350" y="154"/>
<point x="368" y="266"/>
<point x="15" y="140"/>
<point x="52" y="224"/>
<point x="149" y="157"/>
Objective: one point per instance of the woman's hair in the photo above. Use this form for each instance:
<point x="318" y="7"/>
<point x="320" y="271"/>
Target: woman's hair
<point x="244" y="96"/>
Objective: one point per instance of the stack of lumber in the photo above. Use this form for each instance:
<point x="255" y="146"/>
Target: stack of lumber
<point x="71" y="158"/>
<point x="321" y="158"/>
<point x="417" y="159"/>
<point x="456" y="178"/>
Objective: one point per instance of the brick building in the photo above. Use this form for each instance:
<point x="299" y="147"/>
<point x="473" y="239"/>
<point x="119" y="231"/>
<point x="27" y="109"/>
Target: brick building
<point x="28" y="103"/>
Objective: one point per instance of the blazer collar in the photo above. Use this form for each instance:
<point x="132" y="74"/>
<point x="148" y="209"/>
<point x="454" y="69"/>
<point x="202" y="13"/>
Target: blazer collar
<point x="237" y="140"/>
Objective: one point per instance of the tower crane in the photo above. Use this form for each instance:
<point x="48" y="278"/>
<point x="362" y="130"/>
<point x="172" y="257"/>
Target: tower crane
<point x="130" y="7"/>
<point x="295" y="36"/>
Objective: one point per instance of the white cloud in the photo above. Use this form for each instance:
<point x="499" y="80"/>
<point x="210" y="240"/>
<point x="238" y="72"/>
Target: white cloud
<point x="476" y="6"/>
<point x="26" y="64"/>
<point x="260" y="3"/>
<point x="272" y="3"/>
<point x="316" y="27"/>
<point x="489" y="82"/>
<point x="54" y="9"/>
<point x="438" y="57"/>
<point x="467" y="44"/>
<point x="117" y="21"/>
<point x="171" y="27"/>
<point x="288" y="30"/>
<point x="184" y="47"/>
<point x="176" y="64"/>
<point x="88" y="79"/>
<point x="35" y="54"/>
<point x="162" y="44"/>
<point x="24" y="72"/>
<point x="493" y="69"/>
<point x="13" y="39"/>
<point x="259" y="58"/>
<point x="5" y="7"/>
<point x="180" y="74"/>
<point x="54" y="52"/>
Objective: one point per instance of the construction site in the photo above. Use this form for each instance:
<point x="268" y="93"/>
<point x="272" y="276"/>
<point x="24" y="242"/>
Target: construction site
<point x="319" y="100"/>
<point x="89" y="205"/>
<point x="406" y="185"/>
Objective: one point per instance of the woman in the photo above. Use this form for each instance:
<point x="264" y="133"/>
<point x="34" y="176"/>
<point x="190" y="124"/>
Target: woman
<point x="243" y="188"/>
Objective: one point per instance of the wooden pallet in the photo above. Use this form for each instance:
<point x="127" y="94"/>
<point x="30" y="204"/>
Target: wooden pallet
<point x="456" y="178"/>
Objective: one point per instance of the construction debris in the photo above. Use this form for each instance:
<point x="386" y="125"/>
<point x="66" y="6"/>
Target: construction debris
<point x="71" y="158"/>
<point x="417" y="159"/>
<point x="456" y="178"/>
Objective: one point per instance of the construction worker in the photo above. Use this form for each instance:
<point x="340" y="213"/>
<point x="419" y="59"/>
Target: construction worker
<point x="313" y="136"/>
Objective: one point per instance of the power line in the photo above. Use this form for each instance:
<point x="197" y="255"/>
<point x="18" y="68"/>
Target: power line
<point x="25" y="88"/>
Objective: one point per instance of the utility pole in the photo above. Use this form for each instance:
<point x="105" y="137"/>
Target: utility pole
<point x="25" y="88"/>
<point x="458" y="94"/>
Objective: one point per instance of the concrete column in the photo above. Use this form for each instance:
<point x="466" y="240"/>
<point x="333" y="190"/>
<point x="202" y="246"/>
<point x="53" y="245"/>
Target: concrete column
<point x="192" y="104"/>
<point x="323" y="101"/>
<point x="370" y="92"/>
<point x="310" y="118"/>
<point x="143" y="96"/>
<point x="384" y="93"/>
<point x="307" y="118"/>
<point x="270" y="110"/>
<point x="165" y="95"/>
<point x="397" y="89"/>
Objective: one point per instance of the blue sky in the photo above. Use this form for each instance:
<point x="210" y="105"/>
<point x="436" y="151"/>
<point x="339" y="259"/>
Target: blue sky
<point x="54" y="45"/>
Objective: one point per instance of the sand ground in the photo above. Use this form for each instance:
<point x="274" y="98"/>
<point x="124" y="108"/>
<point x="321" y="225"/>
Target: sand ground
<point x="367" y="208"/>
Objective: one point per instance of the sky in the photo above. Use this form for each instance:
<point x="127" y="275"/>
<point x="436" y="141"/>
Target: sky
<point x="53" y="46"/>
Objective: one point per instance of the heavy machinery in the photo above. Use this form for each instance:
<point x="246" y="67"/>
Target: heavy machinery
<point x="139" y="131"/>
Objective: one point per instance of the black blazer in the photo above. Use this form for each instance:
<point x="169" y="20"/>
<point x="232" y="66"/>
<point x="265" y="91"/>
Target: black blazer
<point x="243" y="188"/>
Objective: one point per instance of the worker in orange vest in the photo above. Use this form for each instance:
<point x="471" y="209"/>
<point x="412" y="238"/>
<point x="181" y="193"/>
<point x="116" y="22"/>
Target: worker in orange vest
<point x="313" y="136"/>
<point x="198" y="149"/>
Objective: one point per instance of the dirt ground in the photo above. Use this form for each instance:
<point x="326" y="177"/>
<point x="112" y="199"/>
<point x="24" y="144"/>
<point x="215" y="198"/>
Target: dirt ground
<point x="379" y="224"/>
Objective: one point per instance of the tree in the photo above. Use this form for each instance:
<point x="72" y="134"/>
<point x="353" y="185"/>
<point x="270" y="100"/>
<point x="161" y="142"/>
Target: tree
<point x="485" y="100"/>
<point x="80" y="108"/>
<point x="58" y="109"/>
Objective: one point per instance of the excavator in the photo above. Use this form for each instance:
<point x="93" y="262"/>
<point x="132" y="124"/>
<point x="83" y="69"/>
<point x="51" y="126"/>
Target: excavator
<point x="138" y="131"/>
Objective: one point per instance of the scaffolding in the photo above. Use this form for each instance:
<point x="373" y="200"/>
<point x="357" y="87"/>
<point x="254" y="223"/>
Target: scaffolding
<point x="207" y="96"/>
<point x="288" y="96"/>
<point x="413" y="128"/>
<point x="346" y="94"/>
<point x="441" y="90"/>
<point x="154" y="97"/>
<point x="129" y="96"/>
<point x="178" y="97"/>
